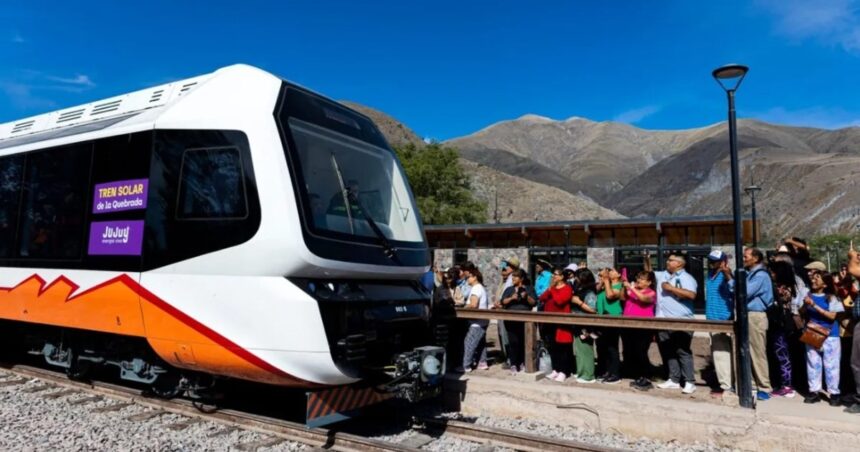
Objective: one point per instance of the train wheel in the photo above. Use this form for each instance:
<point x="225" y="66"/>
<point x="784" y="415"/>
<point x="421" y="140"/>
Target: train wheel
<point x="168" y="385"/>
<point x="78" y="370"/>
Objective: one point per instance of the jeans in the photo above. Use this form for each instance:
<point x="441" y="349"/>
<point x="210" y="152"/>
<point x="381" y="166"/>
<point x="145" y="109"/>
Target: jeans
<point x="677" y="355"/>
<point x="475" y="343"/>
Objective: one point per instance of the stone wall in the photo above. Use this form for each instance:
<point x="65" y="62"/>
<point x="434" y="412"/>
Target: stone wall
<point x="488" y="260"/>
<point x="443" y="258"/>
<point x="600" y="257"/>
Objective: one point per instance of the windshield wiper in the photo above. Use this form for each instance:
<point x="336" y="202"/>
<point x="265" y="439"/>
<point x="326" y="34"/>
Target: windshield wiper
<point x="351" y="197"/>
<point x="344" y="192"/>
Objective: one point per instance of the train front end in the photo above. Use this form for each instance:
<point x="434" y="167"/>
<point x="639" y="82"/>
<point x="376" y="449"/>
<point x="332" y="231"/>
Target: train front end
<point x="365" y="248"/>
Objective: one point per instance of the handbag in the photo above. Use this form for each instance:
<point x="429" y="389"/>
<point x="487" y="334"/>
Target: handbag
<point x="814" y="335"/>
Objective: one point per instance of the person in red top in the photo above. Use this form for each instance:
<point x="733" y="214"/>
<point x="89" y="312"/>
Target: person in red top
<point x="557" y="299"/>
<point x="641" y="296"/>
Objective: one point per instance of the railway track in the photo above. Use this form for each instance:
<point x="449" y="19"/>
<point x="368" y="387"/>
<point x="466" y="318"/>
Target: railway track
<point x="508" y="439"/>
<point x="274" y="431"/>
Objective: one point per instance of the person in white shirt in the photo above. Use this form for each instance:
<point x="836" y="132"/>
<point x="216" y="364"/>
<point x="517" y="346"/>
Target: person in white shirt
<point x="676" y="290"/>
<point x="475" y="344"/>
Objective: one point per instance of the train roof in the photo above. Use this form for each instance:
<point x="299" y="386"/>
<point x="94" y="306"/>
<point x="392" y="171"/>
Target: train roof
<point x="140" y="108"/>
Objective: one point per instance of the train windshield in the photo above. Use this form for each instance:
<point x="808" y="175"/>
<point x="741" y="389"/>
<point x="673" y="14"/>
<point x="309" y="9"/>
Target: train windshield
<point x="353" y="186"/>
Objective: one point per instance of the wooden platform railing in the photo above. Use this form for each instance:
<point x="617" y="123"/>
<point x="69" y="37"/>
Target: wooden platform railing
<point x="554" y="318"/>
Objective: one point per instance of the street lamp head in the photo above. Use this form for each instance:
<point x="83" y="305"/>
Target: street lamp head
<point x="752" y="189"/>
<point x="730" y="76"/>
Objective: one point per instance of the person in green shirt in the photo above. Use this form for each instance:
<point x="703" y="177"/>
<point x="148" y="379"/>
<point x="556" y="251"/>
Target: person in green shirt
<point x="584" y="302"/>
<point x="609" y="303"/>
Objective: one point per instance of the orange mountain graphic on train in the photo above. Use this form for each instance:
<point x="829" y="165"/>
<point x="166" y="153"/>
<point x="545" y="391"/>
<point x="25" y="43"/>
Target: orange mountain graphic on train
<point x="122" y="306"/>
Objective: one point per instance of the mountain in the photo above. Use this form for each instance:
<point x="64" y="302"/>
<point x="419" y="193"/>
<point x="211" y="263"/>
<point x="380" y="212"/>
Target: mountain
<point x="805" y="173"/>
<point x="514" y="198"/>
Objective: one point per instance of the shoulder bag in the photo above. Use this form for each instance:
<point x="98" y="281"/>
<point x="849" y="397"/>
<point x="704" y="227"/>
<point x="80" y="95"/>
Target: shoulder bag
<point x="814" y="335"/>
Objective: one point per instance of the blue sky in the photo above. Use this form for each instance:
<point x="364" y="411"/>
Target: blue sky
<point x="447" y="69"/>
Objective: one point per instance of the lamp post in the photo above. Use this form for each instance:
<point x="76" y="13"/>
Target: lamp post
<point x="729" y="78"/>
<point x="751" y="190"/>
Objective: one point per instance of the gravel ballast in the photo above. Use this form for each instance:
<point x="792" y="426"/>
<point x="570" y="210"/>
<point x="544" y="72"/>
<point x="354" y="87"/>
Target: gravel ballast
<point x="32" y="421"/>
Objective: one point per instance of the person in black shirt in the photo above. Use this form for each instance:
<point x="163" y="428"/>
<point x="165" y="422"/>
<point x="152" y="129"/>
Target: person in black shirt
<point x="518" y="297"/>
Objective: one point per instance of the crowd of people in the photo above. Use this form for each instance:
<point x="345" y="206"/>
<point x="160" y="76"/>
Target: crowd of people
<point x="803" y="321"/>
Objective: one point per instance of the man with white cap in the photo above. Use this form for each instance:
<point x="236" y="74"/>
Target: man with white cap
<point x="719" y="305"/>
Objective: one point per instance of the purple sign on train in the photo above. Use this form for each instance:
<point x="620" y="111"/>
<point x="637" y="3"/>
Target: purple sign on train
<point x="116" y="238"/>
<point x="120" y="195"/>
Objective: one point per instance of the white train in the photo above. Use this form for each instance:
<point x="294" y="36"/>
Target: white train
<point x="231" y="225"/>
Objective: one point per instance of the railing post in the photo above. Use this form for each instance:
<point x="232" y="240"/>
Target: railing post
<point x="530" y="347"/>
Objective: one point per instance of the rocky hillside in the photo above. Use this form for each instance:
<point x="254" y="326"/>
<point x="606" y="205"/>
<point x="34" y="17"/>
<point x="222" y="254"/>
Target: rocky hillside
<point x="805" y="173"/>
<point x="519" y="199"/>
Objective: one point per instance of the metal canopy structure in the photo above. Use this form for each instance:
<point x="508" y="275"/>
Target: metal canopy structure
<point x="619" y="233"/>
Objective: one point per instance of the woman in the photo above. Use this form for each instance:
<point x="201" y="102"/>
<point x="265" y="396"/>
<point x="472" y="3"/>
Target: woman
<point x="557" y="299"/>
<point x="584" y="302"/>
<point x="475" y="344"/>
<point x="518" y="297"/>
<point x="822" y="306"/>
<point x="640" y="298"/>
<point x="781" y="323"/>
<point x="609" y="303"/>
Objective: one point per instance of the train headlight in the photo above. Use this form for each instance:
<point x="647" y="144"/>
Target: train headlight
<point x="432" y="361"/>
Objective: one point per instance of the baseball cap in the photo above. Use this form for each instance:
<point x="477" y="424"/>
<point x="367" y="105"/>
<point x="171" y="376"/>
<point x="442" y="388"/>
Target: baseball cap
<point x="816" y="265"/>
<point x="572" y="267"/>
<point x="717" y="255"/>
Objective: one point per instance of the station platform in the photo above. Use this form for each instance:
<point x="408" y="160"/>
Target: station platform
<point x="777" y="424"/>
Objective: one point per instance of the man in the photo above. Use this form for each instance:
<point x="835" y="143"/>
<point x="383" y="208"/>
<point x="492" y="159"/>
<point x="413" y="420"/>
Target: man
<point x="676" y="290"/>
<point x="544" y="275"/>
<point x="719" y="305"/>
<point x="506" y="268"/>
<point x="759" y="299"/>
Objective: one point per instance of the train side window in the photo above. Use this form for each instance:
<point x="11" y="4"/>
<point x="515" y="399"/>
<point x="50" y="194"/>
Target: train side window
<point x="211" y="185"/>
<point x="11" y="174"/>
<point x="55" y="199"/>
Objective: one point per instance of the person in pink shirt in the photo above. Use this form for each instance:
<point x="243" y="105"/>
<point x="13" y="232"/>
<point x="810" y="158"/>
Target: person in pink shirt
<point x="639" y="297"/>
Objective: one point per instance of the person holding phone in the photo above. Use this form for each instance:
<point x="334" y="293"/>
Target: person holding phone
<point x="518" y="297"/>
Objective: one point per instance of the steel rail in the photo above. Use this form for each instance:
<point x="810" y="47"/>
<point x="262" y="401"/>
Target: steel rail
<point x="292" y="431"/>
<point x="506" y="438"/>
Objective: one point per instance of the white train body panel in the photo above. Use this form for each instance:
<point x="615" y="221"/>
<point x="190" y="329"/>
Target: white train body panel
<point x="238" y="297"/>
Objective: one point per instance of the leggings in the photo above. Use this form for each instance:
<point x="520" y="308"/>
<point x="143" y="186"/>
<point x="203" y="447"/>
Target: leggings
<point x="780" y="349"/>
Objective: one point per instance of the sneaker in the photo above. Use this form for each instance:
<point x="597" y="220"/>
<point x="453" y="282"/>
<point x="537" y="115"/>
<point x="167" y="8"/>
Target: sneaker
<point x="835" y="400"/>
<point x="762" y="395"/>
<point x="584" y="381"/>
<point x="853" y="409"/>
<point x="689" y="388"/>
<point x="552" y="375"/>
<point x="611" y="380"/>
<point x="483" y="366"/>
<point x="812" y="398"/>
<point x="642" y="384"/>
<point x="785" y="391"/>
<point x="560" y="377"/>
<point x="669" y="384"/>
<point x="506" y="365"/>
